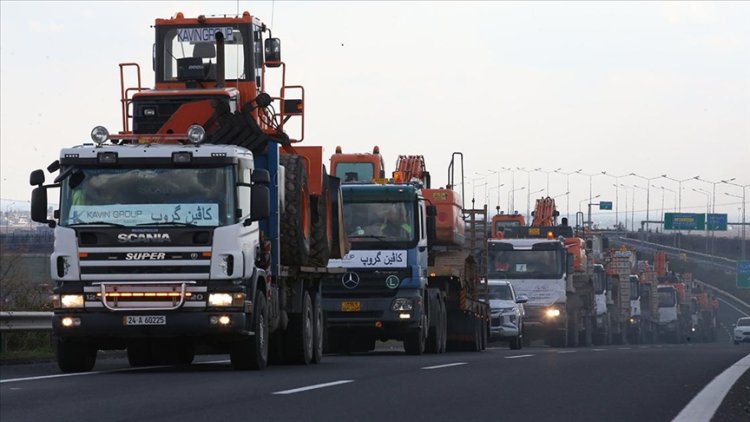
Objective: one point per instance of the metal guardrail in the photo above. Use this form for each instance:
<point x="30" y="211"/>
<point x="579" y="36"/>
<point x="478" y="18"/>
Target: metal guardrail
<point x="716" y="261"/>
<point x="25" y="321"/>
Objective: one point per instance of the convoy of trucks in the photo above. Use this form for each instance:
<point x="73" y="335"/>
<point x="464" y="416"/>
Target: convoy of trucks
<point x="203" y="226"/>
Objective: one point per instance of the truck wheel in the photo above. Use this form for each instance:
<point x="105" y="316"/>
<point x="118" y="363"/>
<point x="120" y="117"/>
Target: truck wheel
<point x="443" y="325"/>
<point x="295" y="217"/>
<point x="299" y="334"/>
<point x="75" y="356"/>
<point x="322" y="238"/>
<point x="252" y="353"/>
<point x="414" y="343"/>
<point x="139" y="354"/>
<point x="433" y="335"/>
<point x="318" y="329"/>
<point x="515" y="343"/>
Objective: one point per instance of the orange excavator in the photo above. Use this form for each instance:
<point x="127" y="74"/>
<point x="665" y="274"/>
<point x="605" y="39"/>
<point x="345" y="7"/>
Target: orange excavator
<point x="357" y="167"/>
<point x="411" y="168"/>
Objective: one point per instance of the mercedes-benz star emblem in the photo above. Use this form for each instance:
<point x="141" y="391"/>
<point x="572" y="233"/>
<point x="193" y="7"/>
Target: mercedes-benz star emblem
<point x="350" y="280"/>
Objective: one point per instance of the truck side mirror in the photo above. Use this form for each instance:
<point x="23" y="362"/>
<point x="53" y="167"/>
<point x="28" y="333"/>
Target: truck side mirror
<point x="260" y="202"/>
<point x="260" y="176"/>
<point x="273" y="52"/>
<point x="39" y="205"/>
<point x="37" y="179"/>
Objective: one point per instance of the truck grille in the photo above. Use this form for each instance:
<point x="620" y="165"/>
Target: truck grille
<point x="363" y="284"/>
<point x="155" y="263"/>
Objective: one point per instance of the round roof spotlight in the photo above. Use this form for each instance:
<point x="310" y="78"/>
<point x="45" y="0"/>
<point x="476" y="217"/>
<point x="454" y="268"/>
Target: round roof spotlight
<point x="99" y="135"/>
<point x="195" y="134"/>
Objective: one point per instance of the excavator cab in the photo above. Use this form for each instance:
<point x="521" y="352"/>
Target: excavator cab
<point x="187" y="50"/>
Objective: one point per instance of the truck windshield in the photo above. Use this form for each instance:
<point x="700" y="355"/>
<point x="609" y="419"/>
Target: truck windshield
<point x="666" y="298"/>
<point x="518" y="264"/>
<point x="354" y="172"/>
<point x="152" y="196"/>
<point x="380" y="222"/>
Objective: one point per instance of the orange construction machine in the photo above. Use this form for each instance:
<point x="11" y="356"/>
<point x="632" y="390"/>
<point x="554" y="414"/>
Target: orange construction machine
<point x="357" y="167"/>
<point x="243" y="222"/>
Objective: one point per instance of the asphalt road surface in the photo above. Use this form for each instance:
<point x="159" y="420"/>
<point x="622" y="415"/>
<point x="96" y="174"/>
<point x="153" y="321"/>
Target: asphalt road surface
<point x="613" y="383"/>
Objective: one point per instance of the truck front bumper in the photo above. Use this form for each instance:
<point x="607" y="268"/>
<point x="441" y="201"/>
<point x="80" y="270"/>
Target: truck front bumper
<point x="114" y="325"/>
<point x="503" y="327"/>
<point x="372" y="314"/>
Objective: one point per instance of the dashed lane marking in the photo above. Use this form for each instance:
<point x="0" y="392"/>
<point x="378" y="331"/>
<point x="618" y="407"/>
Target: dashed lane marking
<point x="447" y="365"/>
<point x="518" y="356"/>
<point x="566" y="351"/>
<point x="598" y="350"/>
<point x="313" y="387"/>
<point x="110" y="371"/>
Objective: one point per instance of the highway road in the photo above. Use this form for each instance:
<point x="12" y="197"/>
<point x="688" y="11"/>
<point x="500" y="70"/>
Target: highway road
<point x="613" y="383"/>
<point x="616" y="383"/>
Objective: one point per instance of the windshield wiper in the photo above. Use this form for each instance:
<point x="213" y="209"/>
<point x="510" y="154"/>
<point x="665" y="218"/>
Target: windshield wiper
<point x="93" y="223"/>
<point x="168" y="223"/>
<point x="367" y="236"/>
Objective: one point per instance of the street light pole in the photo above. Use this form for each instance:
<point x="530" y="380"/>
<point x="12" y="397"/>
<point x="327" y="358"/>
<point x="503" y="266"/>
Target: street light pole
<point x="642" y="188"/>
<point x="744" y="252"/>
<point x="512" y="202"/>
<point x="528" y="192"/>
<point x="648" y="196"/>
<point x="708" y="207"/>
<point x="617" y="196"/>
<point x="567" y="188"/>
<point x="511" y="193"/>
<point x="626" y="205"/>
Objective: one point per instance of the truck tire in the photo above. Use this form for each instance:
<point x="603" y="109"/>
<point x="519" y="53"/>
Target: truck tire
<point x="252" y="353"/>
<point x="322" y="238"/>
<point x="444" y="325"/>
<point x="295" y="217"/>
<point x="75" y="356"/>
<point x="433" y="335"/>
<point x="299" y="334"/>
<point x="415" y="341"/>
<point x="318" y="329"/>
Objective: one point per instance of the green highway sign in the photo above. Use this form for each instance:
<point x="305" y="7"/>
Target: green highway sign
<point x="717" y="222"/>
<point x="605" y="205"/>
<point x="743" y="274"/>
<point x="684" y="221"/>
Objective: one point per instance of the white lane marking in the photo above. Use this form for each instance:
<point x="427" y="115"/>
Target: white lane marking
<point x="518" y="356"/>
<point x="733" y="307"/>
<point x="567" y="351"/>
<point x="703" y="406"/>
<point x="445" y="366"/>
<point x="624" y="348"/>
<point x="598" y="350"/>
<point x="81" y="374"/>
<point x="110" y="371"/>
<point x="313" y="387"/>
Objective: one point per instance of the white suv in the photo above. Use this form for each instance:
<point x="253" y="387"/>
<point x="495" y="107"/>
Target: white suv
<point x="507" y="313"/>
<point x="742" y="331"/>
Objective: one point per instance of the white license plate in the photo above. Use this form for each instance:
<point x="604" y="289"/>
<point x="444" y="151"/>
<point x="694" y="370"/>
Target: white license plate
<point x="144" y="320"/>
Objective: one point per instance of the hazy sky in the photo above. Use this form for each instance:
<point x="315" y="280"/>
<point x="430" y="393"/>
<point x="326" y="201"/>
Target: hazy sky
<point x="643" y="87"/>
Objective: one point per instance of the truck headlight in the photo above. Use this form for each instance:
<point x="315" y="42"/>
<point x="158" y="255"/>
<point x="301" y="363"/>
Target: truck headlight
<point x="402" y="304"/>
<point x="226" y="299"/>
<point x="71" y="301"/>
<point x="552" y="313"/>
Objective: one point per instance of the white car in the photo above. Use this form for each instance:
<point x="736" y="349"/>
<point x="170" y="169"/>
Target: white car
<point x="742" y="331"/>
<point x="507" y="313"/>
